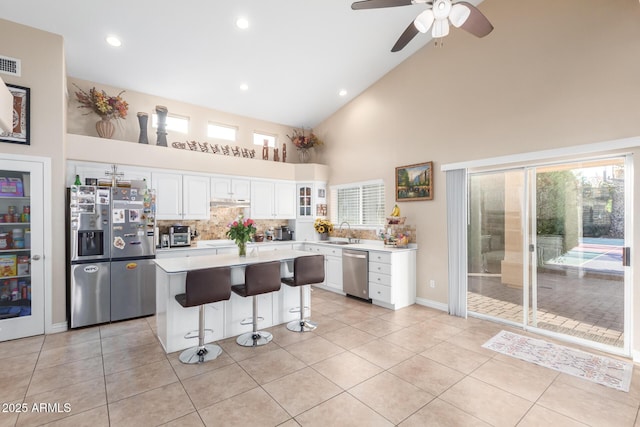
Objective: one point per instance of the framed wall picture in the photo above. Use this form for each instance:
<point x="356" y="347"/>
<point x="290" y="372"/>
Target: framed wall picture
<point x="20" y="132"/>
<point x="414" y="182"/>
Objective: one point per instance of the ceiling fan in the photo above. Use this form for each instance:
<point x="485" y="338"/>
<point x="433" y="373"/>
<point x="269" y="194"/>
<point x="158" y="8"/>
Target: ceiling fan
<point x="461" y="14"/>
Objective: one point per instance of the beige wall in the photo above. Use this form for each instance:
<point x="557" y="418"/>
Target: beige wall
<point x="43" y="70"/>
<point x="551" y="74"/>
<point x="81" y="123"/>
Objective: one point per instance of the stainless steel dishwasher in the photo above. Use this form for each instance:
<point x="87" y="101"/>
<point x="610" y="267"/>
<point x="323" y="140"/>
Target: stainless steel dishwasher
<point x="355" y="273"/>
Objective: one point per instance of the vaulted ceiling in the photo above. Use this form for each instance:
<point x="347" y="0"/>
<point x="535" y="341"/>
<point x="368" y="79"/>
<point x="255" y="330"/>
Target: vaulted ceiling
<point x="295" y="57"/>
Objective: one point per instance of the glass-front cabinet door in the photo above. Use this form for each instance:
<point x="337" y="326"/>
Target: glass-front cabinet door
<point x="21" y="249"/>
<point x="305" y="201"/>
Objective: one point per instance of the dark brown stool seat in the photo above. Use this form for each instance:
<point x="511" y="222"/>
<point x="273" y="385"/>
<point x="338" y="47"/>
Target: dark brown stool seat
<point x="307" y="270"/>
<point x="259" y="279"/>
<point x="203" y="287"/>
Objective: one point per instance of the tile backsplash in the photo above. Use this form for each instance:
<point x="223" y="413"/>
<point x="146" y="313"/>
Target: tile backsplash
<point x="216" y="226"/>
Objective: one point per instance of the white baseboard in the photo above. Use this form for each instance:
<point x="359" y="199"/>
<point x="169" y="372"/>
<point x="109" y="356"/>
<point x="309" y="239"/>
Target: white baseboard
<point x="636" y="356"/>
<point x="433" y="304"/>
<point x="57" y="327"/>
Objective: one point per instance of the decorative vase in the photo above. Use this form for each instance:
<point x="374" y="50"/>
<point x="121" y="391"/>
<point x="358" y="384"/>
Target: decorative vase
<point x="304" y="155"/>
<point x="324" y="236"/>
<point x="242" y="248"/>
<point x="105" y="128"/>
<point x="143" y="119"/>
<point x="161" y="111"/>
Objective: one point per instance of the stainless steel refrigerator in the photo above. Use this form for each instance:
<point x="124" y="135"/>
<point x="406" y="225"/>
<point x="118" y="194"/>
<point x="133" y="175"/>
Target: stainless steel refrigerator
<point x="110" y="241"/>
<point x="133" y="249"/>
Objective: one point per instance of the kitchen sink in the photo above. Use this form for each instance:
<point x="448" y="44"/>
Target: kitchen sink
<point x="337" y="242"/>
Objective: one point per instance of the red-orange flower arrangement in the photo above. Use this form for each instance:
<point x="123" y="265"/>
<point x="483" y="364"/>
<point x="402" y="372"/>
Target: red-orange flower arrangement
<point x="109" y="107"/>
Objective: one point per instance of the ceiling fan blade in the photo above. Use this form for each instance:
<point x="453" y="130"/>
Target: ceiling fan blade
<point x="475" y="23"/>
<point x="377" y="4"/>
<point x="405" y="37"/>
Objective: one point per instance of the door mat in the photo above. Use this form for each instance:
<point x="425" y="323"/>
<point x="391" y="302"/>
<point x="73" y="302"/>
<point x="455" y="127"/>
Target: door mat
<point x="598" y="369"/>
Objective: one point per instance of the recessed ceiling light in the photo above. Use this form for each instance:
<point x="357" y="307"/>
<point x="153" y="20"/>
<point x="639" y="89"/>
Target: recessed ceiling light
<point x="114" y="41"/>
<point x="244" y="86"/>
<point x="342" y="92"/>
<point x="242" y="23"/>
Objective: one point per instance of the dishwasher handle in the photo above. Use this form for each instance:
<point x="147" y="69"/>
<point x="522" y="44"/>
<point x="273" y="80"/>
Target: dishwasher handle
<point x="350" y="255"/>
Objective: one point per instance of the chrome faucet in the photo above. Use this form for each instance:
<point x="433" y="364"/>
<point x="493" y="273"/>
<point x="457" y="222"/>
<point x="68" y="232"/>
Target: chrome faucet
<point x="348" y="225"/>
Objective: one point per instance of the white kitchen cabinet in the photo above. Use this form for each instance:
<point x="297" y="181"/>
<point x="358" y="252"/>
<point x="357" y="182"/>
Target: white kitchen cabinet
<point x="273" y="200"/>
<point x="305" y="199"/>
<point x="332" y="266"/>
<point x="226" y="188"/>
<point x="333" y="272"/>
<point x="181" y="196"/>
<point x="311" y="198"/>
<point x="168" y="195"/>
<point x="195" y="196"/>
<point x="285" y="200"/>
<point x="392" y="278"/>
<point x="101" y="172"/>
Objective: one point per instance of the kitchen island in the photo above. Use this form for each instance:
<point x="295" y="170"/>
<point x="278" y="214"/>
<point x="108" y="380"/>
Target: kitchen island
<point x="225" y="317"/>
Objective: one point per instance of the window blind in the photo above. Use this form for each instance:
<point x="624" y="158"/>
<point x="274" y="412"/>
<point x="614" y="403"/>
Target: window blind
<point x="360" y="204"/>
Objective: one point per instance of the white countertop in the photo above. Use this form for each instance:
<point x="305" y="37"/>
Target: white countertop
<point x="366" y="245"/>
<point x="183" y="264"/>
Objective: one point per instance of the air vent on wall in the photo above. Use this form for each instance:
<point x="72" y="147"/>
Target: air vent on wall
<point x="9" y="66"/>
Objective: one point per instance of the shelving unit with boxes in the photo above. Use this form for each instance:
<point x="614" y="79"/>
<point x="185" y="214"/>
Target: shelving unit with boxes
<point x="15" y="245"/>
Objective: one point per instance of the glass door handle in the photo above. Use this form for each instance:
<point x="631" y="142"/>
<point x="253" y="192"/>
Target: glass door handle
<point x="35" y="257"/>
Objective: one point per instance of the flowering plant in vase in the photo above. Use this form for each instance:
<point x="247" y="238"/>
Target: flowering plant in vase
<point x="105" y="106"/>
<point x="241" y="231"/>
<point x="324" y="227"/>
<point x="303" y="143"/>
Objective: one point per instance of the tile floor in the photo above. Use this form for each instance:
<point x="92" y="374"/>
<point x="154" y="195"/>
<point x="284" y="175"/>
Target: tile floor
<point x="363" y="366"/>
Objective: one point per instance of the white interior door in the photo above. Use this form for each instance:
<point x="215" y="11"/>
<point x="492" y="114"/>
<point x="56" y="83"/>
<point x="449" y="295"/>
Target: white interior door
<point x="21" y="249"/>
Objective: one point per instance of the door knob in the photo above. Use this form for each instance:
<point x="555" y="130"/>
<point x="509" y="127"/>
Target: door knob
<point x="35" y="257"/>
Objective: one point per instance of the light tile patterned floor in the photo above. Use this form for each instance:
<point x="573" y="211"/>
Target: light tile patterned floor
<point x="411" y="367"/>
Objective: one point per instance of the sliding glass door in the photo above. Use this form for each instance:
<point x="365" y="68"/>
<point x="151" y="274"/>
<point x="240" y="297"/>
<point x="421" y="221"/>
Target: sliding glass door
<point x="495" y="240"/>
<point x="551" y="238"/>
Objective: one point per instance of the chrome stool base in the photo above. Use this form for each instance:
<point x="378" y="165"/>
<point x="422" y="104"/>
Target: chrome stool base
<point x="254" y="339"/>
<point x="201" y="354"/>
<point x="301" y="325"/>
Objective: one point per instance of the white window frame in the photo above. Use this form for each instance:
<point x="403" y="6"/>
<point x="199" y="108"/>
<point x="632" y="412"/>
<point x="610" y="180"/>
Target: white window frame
<point x="258" y="138"/>
<point x="359" y="223"/>
<point x="171" y="122"/>
<point x="211" y="125"/>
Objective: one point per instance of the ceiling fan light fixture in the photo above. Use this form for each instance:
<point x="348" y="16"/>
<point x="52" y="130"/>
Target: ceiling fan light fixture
<point x="440" y="29"/>
<point x="424" y="21"/>
<point x="441" y="9"/>
<point x="459" y="14"/>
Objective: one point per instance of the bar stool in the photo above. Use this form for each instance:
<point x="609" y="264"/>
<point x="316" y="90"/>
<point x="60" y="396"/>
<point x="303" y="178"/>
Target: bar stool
<point x="204" y="286"/>
<point x="306" y="271"/>
<point x="259" y="279"/>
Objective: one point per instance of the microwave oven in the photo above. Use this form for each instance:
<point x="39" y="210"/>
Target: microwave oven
<point x="180" y="235"/>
